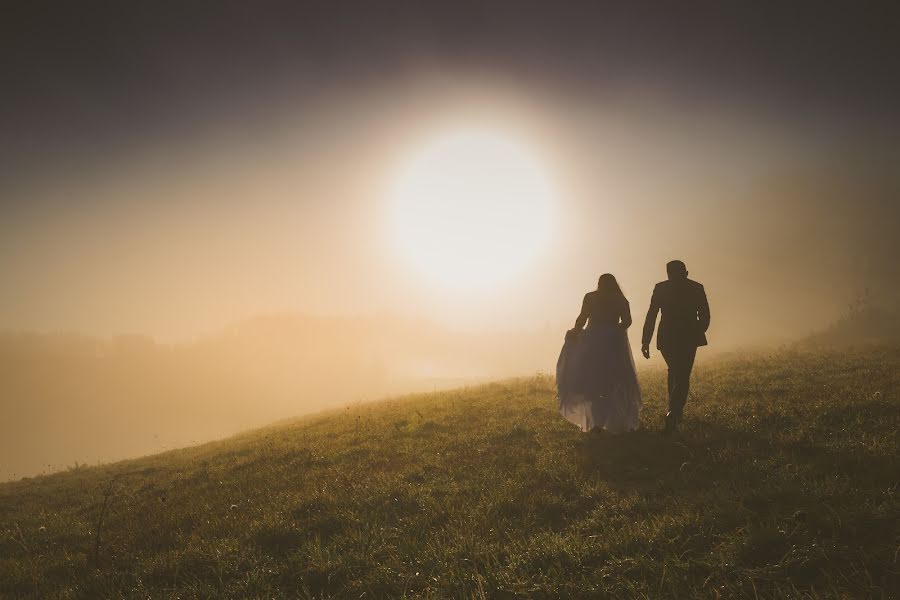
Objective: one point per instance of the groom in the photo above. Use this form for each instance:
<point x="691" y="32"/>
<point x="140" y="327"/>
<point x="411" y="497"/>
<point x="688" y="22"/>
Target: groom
<point x="682" y="328"/>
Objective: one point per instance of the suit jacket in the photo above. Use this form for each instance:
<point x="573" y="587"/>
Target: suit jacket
<point x="685" y="315"/>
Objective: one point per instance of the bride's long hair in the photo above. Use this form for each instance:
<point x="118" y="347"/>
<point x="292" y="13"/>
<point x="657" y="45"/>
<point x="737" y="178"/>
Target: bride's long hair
<point x="608" y="288"/>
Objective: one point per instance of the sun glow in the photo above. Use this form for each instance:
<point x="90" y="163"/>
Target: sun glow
<point x="472" y="209"/>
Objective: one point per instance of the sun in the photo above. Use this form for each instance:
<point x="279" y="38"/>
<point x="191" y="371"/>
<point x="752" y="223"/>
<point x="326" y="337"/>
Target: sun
<point x="472" y="209"/>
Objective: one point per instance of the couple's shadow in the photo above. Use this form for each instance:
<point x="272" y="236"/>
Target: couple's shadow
<point x="779" y="497"/>
<point x="707" y="455"/>
<point x="634" y="460"/>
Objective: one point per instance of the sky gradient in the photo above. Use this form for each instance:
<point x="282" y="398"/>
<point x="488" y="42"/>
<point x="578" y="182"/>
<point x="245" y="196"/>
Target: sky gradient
<point x="170" y="169"/>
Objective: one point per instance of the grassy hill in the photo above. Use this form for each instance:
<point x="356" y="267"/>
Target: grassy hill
<point x="784" y="483"/>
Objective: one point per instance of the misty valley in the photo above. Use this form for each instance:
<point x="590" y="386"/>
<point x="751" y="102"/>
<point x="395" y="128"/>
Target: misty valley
<point x="72" y="400"/>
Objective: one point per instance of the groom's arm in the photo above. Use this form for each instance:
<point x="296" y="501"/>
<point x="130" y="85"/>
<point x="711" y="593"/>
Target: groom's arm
<point x="650" y="321"/>
<point x="703" y="311"/>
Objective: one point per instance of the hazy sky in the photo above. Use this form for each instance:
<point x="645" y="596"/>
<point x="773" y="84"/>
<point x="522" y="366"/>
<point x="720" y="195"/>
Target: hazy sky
<point x="171" y="168"/>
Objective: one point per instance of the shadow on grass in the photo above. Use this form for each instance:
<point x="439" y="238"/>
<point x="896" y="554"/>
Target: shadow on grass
<point x="792" y="509"/>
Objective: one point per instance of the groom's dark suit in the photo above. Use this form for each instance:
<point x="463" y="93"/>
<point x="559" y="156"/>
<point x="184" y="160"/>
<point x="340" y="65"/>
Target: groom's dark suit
<point x="682" y="328"/>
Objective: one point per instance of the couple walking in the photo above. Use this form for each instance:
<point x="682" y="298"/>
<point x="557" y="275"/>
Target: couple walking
<point x="596" y="381"/>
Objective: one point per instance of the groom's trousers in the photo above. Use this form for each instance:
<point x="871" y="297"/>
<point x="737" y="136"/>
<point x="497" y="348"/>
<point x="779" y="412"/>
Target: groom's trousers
<point x="680" y="362"/>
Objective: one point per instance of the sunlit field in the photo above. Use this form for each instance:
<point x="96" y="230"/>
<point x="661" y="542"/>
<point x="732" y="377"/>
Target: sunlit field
<point x="783" y="483"/>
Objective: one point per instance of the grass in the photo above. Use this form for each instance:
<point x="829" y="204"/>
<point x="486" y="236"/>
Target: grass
<point x="783" y="484"/>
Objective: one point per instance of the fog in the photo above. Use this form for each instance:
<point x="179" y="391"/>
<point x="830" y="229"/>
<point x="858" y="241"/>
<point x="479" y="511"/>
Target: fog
<point x="784" y="222"/>
<point x="74" y="399"/>
<point x="785" y="234"/>
<point x="194" y="220"/>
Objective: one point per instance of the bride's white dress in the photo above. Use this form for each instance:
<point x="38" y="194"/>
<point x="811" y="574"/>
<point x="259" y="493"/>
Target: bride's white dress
<point x="596" y="380"/>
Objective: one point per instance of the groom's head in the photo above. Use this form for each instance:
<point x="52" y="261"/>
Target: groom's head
<point x="676" y="269"/>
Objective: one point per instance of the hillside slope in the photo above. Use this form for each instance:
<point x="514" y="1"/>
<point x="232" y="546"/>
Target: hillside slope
<point x="782" y="484"/>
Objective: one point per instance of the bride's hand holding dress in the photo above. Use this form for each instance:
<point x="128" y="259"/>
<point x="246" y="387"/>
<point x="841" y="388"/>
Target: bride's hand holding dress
<point x="596" y="379"/>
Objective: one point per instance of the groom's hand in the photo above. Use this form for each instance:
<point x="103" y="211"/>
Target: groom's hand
<point x="645" y="350"/>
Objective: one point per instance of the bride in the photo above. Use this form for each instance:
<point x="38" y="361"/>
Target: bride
<point x="596" y="381"/>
